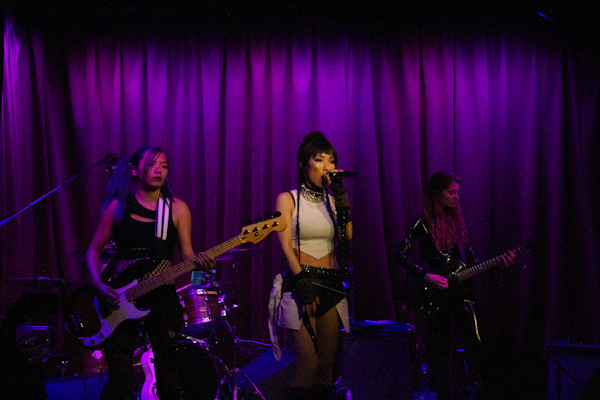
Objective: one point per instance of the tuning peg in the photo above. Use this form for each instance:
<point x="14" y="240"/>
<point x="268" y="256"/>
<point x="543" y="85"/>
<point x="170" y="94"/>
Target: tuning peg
<point x="277" y="214"/>
<point x="258" y="219"/>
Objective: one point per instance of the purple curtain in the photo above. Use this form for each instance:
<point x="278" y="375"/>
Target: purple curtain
<point x="512" y="108"/>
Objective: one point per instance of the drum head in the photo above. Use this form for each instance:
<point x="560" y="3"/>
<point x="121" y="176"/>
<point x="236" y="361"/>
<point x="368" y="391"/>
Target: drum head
<point x="198" y="376"/>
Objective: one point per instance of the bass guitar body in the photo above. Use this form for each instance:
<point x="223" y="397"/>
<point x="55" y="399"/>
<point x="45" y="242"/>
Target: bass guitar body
<point x="92" y="321"/>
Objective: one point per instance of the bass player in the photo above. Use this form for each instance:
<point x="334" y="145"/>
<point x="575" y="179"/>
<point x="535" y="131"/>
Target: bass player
<point x="145" y="221"/>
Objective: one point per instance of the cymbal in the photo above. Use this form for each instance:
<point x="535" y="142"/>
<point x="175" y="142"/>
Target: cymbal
<point x="233" y="253"/>
<point x="208" y="286"/>
<point x="42" y="281"/>
<point x="220" y="284"/>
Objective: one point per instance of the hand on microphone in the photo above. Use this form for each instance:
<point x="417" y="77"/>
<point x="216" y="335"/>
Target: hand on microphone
<point x="335" y="181"/>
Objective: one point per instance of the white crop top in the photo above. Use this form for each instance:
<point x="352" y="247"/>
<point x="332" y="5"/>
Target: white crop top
<point x="316" y="227"/>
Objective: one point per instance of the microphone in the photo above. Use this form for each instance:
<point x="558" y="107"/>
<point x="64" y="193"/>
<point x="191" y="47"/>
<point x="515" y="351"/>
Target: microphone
<point x="338" y="176"/>
<point x="110" y="158"/>
<point x="110" y="168"/>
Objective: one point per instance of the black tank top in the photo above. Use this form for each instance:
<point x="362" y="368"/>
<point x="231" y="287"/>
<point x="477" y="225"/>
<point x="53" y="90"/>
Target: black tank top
<point x="131" y="234"/>
<point x="140" y="254"/>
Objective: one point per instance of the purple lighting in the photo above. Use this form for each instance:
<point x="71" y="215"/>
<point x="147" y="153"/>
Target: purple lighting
<point x="512" y="107"/>
<point x="544" y="16"/>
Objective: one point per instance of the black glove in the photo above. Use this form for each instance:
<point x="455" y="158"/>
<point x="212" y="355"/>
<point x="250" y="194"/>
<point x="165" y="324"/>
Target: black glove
<point x="304" y="288"/>
<point x="342" y="205"/>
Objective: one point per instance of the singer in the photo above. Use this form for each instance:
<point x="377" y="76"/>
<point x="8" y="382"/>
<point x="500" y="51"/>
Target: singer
<point x="308" y="300"/>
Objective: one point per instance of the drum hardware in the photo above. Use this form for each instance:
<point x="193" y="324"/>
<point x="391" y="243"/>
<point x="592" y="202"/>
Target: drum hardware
<point x="58" y="366"/>
<point x="73" y="362"/>
<point x="203" y="374"/>
<point x="199" y="372"/>
<point x="203" y="310"/>
<point x="232" y="379"/>
<point x="232" y="374"/>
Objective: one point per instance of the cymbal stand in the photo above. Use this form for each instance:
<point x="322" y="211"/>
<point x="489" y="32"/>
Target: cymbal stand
<point x="233" y="372"/>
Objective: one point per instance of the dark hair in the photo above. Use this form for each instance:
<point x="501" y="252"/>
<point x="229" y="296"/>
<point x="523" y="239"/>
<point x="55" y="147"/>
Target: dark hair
<point x="446" y="224"/>
<point x="122" y="183"/>
<point x="438" y="182"/>
<point x="312" y="144"/>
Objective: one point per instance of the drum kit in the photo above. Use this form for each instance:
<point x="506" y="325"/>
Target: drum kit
<point x="203" y="374"/>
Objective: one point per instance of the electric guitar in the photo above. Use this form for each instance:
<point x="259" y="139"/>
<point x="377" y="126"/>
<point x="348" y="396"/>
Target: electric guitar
<point x="148" y="391"/>
<point x="431" y="303"/>
<point x="92" y="321"/>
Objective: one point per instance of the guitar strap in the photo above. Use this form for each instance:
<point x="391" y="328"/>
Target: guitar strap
<point x="163" y="212"/>
<point x="161" y="226"/>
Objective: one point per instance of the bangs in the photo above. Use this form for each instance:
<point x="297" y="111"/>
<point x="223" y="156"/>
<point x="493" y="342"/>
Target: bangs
<point x="151" y="157"/>
<point x="326" y="148"/>
<point x="322" y="146"/>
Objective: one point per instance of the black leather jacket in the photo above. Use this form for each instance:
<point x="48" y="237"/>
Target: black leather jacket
<point x="431" y="260"/>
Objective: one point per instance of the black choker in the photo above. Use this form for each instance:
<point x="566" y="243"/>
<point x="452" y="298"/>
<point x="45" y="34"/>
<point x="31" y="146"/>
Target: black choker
<point x="312" y="195"/>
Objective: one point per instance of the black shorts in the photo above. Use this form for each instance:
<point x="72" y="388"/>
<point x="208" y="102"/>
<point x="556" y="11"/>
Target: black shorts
<point x="328" y="283"/>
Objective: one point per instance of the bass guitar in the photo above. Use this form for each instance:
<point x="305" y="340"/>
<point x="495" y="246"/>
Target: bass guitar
<point x="431" y="303"/>
<point x="92" y="321"/>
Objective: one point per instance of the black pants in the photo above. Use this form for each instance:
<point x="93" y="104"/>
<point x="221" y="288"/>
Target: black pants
<point x="440" y="339"/>
<point x="166" y="315"/>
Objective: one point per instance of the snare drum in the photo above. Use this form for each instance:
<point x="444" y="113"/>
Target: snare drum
<point x="199" y="375"/>
<point x="202" y="309"/>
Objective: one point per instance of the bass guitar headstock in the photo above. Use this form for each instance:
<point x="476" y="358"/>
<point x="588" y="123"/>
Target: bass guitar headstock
<point x="256" y="232"/>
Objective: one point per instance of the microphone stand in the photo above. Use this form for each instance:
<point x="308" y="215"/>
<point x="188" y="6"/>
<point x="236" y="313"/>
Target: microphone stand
<point x="109" y="158"/>
<point x="112" y="157"/>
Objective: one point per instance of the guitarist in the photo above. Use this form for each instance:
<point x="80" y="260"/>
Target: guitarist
<point x="443" y="241"/>
<point x="145" y="221"/>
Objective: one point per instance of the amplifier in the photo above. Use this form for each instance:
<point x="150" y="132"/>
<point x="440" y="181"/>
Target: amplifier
<point x="376" y="360"/>
<point x="573" y="371"/>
